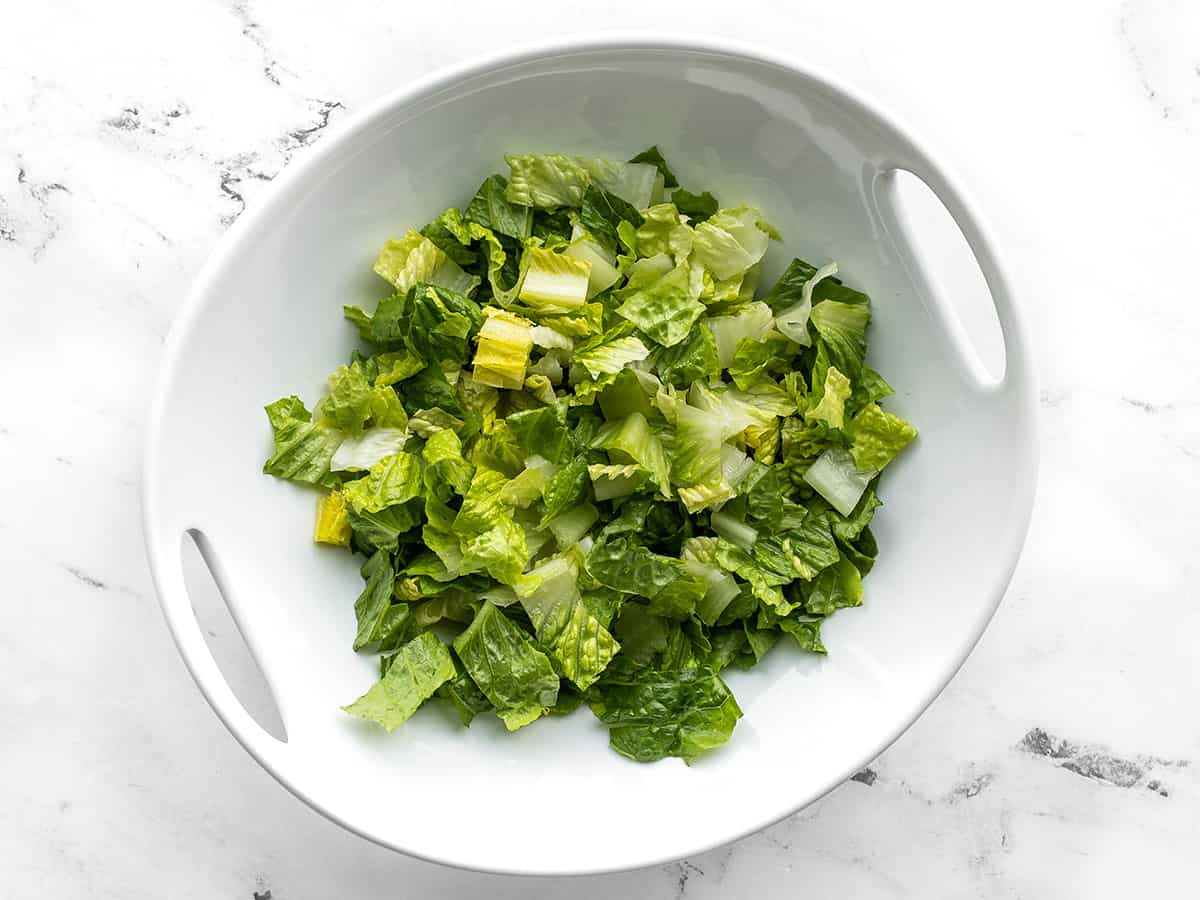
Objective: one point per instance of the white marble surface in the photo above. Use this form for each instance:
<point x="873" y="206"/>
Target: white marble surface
<point x="132" y="133"/>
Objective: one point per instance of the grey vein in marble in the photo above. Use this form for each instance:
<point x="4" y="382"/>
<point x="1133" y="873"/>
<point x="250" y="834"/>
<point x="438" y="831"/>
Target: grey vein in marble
<point x="1146" y="406"/>
<point x="42" y="220"/>
<point x="972" y="787"/>
<point x="90" y="580"/>
<point x="253" y="31"/>
<point x="1098" y="763"/>
<point x="866" y="776"/>
<point x="238" y="170"/>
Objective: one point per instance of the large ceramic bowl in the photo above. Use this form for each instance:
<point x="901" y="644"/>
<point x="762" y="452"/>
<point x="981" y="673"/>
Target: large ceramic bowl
<point x="264" y="320"/>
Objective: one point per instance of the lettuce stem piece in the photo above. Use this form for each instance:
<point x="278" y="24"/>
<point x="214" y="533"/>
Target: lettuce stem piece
<point x="554" y="279"/>
<point x="503" y="351"/>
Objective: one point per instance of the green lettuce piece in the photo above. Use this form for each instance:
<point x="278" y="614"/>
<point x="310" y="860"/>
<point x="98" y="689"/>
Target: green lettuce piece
<point x="871" y="388"/>
<point x="525" y="488"/>
<point x="799" y="553"/>
<point x="381" y="530"/>
<point x="498" y="449"/>
<point x="653" y="714"/>
<point x="643" y="635"/>
<point x="663" y="231"/>
<point x="491" y="209"/>
<point x="699" y="436"/>
<point x="602" y="213"/>
<point x="546" y="180"/>
<point x="502" y="550"/>
<point x="303" y="449"/>
<point x="567" y="487"/>
<point x="632" y="440"/>
<point x="565" y="625"/>
<point x="666" y="309"/>
<point x="515" y="676"/>
<point x="876" y="437"/>
<point x="792" y="298"/>
<point x="284" y="413"/>
<point x="610" y="352"/>
<point x="543" y="431"/>
<point x="806" y="631"/>
<point x="347" y="405"/>
<point x="570" y="526"/>
<point x="482" y="506"/>
<point x="753" y="360"/>
<point x="466" y="696"/>
<point x="414" y="674"/>
<point x="394" y="479"/>
<point x="629" y="392"/>
<point x="415" y="258"/>
<point x="429" y="389"/>
<point x="693" y="359"/>
<point x="444" y="462"/>
<point x="382" y="625"/>
<point x="753" y="322"/>
<point x="789" y="289"/>
<point x="848" y="528"/>
<point x="842" y="328"/>
<point x="450" y="233"/>
<point x="837" y="587"/>
<point x="730" y="241"/>
<point x="552" y="179"/>
<point x="697" y="207"/>
<point x="831" y="409"/>
<point x="764" y="583"/>
<point x="361" y="452"/>
<point x="553" y="227"/>
<point x="613" y="481"/>
<point x="490" y="537"/>
<point x="623" y="565"/>
<point x="652" y="156"/>
<point x="441" y="324"/>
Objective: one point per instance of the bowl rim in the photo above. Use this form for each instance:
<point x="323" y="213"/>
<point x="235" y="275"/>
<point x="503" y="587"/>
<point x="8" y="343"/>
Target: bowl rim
<point x="1019" y="377"/>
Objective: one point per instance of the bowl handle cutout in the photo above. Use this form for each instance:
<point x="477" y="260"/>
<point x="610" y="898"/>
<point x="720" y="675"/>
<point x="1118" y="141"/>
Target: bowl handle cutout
<point x="957" y="272"/>
<point x="195" y="605"/>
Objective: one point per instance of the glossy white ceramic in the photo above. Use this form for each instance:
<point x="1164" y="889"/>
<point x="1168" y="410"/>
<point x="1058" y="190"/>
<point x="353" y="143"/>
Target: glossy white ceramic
<point x="264" y="320"/>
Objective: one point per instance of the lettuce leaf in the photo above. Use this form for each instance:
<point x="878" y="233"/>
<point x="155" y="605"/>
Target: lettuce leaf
<point x="665" y="310"/>
<point x="414" y="674"/>
<point x="697" y="207"/>
<point x="692" y="359"/>
<point x="610" y="352"/>
<point x="543" y="432"/>
<point x="602" y="213"/>
<point x="303" y="448"/>
<point x="843" y="331"/>
<point x="565" y="625"/>
<point x="491" y="209"/>
<point x="876" y="437"/>
<point x="394" y="479"/>
<point x="730" y="241"/>
<point x="652" y="156"/>
<point x="652" y="714"/>
<point x="503" y="661"/>
<point x="415" y="258"/>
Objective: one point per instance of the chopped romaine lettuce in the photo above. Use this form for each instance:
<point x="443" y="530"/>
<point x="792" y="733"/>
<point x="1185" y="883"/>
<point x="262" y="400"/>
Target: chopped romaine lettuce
<point x="590" y="450"/>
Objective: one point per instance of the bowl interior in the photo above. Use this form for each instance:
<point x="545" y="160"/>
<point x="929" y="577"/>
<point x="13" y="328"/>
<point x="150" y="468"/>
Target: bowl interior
<point x="553" y="797"/>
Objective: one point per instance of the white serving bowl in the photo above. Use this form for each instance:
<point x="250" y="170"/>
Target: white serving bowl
<point x="264" y="320"/>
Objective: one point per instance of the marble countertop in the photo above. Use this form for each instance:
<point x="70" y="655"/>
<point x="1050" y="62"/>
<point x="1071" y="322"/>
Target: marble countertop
<point x="1062" y="761"/>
